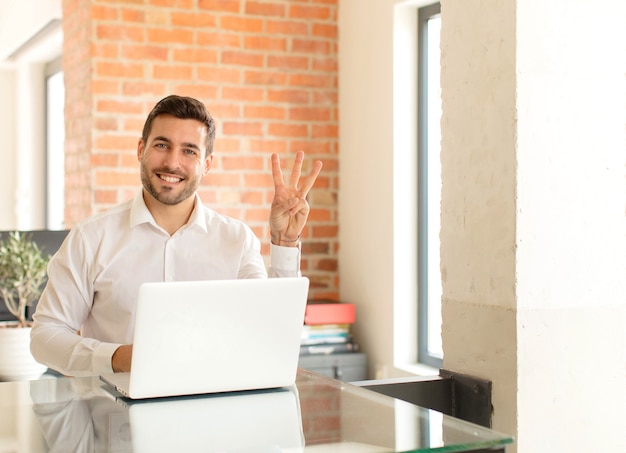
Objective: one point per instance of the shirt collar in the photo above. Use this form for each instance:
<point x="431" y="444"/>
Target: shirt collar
<point x="139" y="213"/>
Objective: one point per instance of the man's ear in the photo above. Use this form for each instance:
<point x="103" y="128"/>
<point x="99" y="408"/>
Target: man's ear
<point x="207" y="164"/>
<point x="140" y="149"/>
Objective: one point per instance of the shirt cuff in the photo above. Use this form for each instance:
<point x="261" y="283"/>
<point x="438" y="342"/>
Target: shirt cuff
<point x="102" y="358"/>
<point x="285" y="259"/>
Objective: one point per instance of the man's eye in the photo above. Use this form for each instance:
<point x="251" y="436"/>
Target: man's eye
<point x="191" y="152"/>
<point x="160" y="145"/>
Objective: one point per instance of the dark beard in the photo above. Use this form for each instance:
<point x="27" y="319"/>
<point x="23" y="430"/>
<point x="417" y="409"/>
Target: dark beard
<point x="165" y="196"/>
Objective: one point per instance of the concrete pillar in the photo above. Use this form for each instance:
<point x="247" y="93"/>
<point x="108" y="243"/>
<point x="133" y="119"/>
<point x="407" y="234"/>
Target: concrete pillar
<point x="533" y="239"/>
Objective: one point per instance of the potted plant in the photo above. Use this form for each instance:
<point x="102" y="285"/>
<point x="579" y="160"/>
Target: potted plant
<point x="22" y="274"/>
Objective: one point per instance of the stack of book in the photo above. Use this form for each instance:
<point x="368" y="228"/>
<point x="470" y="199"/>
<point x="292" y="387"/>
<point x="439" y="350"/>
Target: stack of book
<point x="326" y="328"/>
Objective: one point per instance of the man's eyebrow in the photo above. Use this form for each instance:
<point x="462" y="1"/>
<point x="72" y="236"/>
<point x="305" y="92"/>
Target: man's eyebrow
<point x="191" y="145"/>
<point x="161" y="138"/>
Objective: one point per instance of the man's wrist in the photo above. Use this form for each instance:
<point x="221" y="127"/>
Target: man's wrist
<point x="284" y="241"/>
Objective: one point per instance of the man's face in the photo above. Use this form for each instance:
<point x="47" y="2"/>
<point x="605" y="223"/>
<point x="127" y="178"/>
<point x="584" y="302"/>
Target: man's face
<point x="173" y="160"/>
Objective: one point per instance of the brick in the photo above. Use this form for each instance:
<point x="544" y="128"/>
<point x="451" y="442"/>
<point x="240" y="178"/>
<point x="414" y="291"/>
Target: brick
<point x="172" y="72"/>
<point x="327" y="264"/>
<point x="133" y="15"/>
<point x="309" y="12"/>
<point x="325" y="64"/>
<point x="289" y="96"/>
<point x="288" y="130"/>
<point x="287" y="62"/>
<point x="218" y="39"/>
<point x="315" y="247"/>
<point x="123" y="33"/>
<point x="252" y="197"/>
<point x="104" y="160"/>
<point x="311" y="147"/>
<point x="310" y="46"/>
<point x="119" y="106"/>
<point x="265" y="9"/>
<point x="241" y="24"/>
<point x="105" y="50"/>
<point x="242" y="58"/>
<point x="311" y="80"/>
<point x="217" y="74"/>
<point x="267" y="146"/>
<point x="178" y="4"/>
<point x="195" y="55"/>
<point x="258" y="180"/>
<point x="221" y="112"/>
<point x="231" y="6"/>
<point x="115" y="142"/>
<point x="325" y="231"/>
<point x="154" y="16"/>
<point x="104" y="13"/>
<point x="266" y="112"/>
<point x="169" y="37"/>
<point x="139" y="89"/>
<point x="326" y="97"/>
<point x="309" y="114"/>
<point x="106" y="124"/>
<point x="254" y="77"/>
<point x="194" y="19"/>
<point x="325" y="30"/>
<point x="320" y="215"/>
<point x="105" y="178"/>
<point x="265" y="43"/>
<point x="222" y="179"/>
<point x="243" y="94"/>
<point x="106" y="196"/>
<point x="197" y="90"/>
<point x="128" y="158"/>
<point x="144" y="52"/>
<point x="119" y="70"/>
<point x="327" y="130"/>
<point x="287" y="27"/>
<point x="260" y="215"/>
<point x="242" y="128"/>
<point x="99" y="87"/>
<point x="241" y="163"/>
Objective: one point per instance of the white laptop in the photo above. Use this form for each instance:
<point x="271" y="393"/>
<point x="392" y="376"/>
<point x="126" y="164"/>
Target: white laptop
<point x="214" y="336"/>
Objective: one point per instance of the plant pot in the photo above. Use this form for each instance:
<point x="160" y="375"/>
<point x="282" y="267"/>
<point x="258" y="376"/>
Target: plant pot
<point x="16" y="361"/>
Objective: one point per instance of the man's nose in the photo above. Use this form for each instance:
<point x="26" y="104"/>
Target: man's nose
<point x="172" y="159"/>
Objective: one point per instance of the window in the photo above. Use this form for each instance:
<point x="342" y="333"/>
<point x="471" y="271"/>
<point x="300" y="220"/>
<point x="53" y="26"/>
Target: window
<point x="430" y="350"/>
<point x="55" y="139"/>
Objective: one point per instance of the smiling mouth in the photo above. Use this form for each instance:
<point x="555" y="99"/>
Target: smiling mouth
<point x="171" y="179"/>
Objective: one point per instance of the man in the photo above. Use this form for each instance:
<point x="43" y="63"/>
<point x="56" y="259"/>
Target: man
<point x="85" y="318"/>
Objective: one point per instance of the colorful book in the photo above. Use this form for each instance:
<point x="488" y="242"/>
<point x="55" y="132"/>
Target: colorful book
<point x="326" y="333"/>
<point x="325" y="312"/>
<point x="326" y="349"/>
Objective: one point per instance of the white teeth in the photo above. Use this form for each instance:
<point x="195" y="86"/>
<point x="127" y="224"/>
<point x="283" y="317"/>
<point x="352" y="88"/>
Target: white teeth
<point x="170" y="178"/>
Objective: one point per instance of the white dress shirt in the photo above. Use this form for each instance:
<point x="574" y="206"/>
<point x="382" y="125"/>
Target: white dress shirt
<point x="87" y="309"/>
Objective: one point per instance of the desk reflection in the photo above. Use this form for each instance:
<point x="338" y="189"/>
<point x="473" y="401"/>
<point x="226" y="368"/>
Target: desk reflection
<point x="82" y="416"/>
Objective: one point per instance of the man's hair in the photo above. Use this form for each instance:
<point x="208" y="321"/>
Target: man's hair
<point x="184" y="108"/>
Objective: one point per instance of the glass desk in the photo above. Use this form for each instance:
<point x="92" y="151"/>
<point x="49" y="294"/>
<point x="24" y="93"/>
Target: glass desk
<point x="317" y="415"/>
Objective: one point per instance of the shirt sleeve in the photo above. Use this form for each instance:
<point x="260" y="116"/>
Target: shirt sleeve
<point x="62" y="309"/>
<point x="284" y="261"/>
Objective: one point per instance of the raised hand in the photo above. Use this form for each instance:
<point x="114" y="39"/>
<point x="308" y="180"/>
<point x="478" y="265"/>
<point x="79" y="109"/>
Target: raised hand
<point x="289" y="207"/>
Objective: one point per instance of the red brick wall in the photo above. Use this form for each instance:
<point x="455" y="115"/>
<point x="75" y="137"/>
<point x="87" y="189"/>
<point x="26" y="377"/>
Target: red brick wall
<point x="267" y="71"/>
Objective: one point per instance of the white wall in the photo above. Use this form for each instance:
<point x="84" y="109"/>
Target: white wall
<point x="377" y="204"/>
<point x="8" y="181"/>
<point x="539" y="290"/>
<point x="28" y="39"/>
